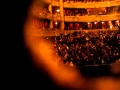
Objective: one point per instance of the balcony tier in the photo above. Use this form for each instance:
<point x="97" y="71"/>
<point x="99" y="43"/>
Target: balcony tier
<point x="72" y="4"/>
<point x="92" y="18"/>
<point x="58" y="32"/>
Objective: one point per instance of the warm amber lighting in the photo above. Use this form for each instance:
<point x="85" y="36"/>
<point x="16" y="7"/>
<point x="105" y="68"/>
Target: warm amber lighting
<point x="58" y="10"/>
<point x="117" y="21"/>
<point x="56" y="23"/>
<point x="45" y="58"/>
<point x="109" y="22"/>
<point x="103" y="22"/>
<point x="95" y="23"/>
<point x="111" y="26"/>
<point x="105" y="10"/>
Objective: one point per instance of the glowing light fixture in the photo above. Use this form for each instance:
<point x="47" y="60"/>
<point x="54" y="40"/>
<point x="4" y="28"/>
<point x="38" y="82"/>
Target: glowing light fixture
<point x="111" y="27"/>
<point x="95" y="23"/>
<point x="117" y="21"/>
<point x="56" y="23"/>
<point x="58" y="10"/>
<point x="103" y="22"/>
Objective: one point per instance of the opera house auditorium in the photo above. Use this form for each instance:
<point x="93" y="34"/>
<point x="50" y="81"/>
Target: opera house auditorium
<point x="85" y="33"/>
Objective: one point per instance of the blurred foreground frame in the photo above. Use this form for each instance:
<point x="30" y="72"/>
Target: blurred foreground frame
<point x="44" y="57"/>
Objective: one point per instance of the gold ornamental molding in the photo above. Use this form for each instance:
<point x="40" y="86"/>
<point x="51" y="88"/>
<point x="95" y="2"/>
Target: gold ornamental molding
<point x="56" y="17"/>
<point x="58" y="32"/>
<point x="72" y="4"/>
<point x="55" y="3"/>
<point x="45" y="16"/>
<point x="92" y="18"/>
<point x="86" y="18"/>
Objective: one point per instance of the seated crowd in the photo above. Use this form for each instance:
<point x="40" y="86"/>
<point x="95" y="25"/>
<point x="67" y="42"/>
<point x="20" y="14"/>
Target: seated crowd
<point x="88" y="48"/>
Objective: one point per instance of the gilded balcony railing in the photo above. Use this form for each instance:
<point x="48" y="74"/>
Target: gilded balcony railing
<point x="45" y="16"/>
<point x="92" y="18"/>
<point x="72" y="4"/>
<point x="56" y="17"/>
<point x="91" y="4"/>
<point x="58" y="32"/>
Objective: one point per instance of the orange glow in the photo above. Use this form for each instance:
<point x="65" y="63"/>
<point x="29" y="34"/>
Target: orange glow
<point x="117" y="21"/>
<point x="95" y="23"/>
<point x="103" y="22"/>
<point x="58" y="10"/>
<point x="45" y="58"/>
<point x="56" y="23"/>
<point x="109" y="22"/>
<point x="88" y="23"/>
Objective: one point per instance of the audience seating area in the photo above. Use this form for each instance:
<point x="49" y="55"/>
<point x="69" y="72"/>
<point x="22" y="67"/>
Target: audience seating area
<point x="88" y="48"/>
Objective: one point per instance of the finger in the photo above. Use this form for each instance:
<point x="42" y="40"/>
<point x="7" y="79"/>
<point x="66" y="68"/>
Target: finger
<point x="43" y="55"/>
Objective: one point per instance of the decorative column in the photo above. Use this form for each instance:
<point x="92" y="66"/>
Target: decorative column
<point x="51" y="21"/>
<point x="61" y="15"/>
